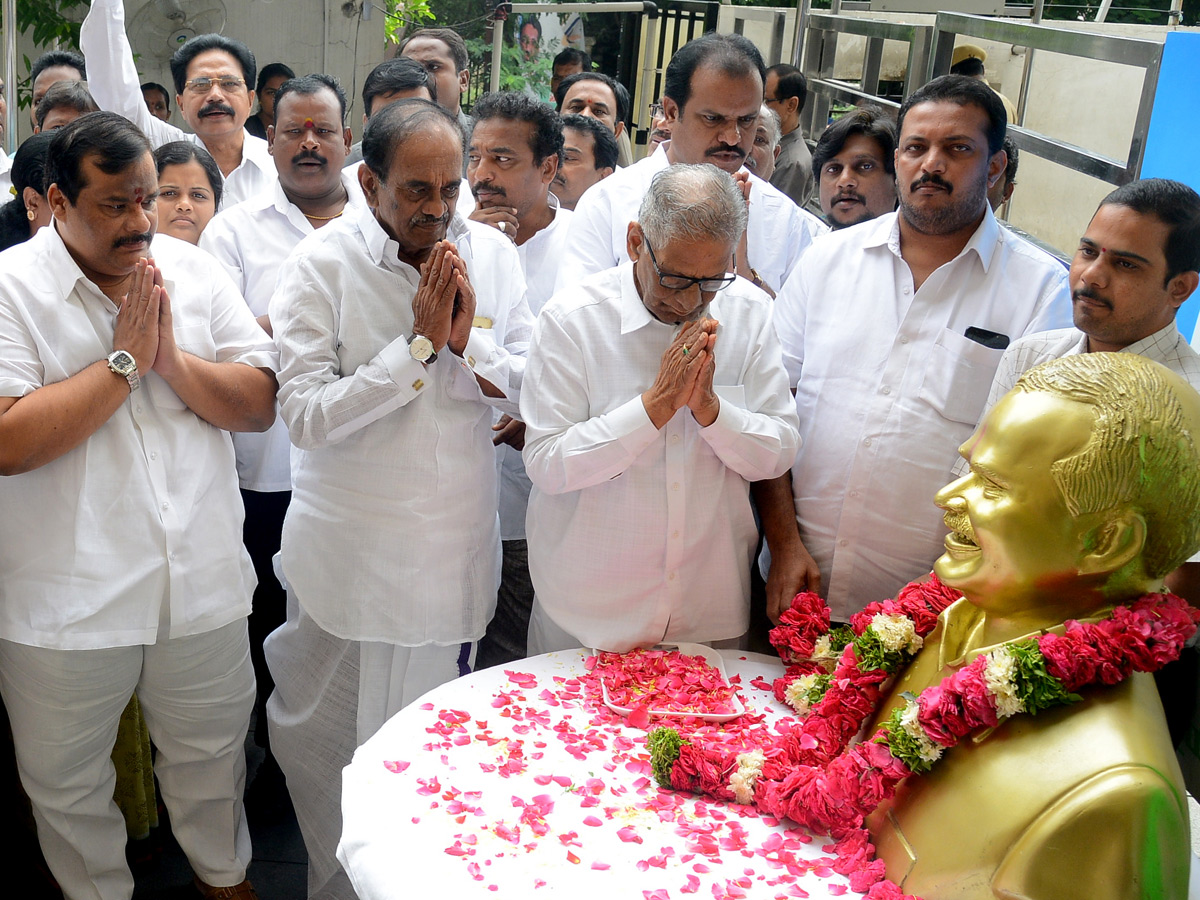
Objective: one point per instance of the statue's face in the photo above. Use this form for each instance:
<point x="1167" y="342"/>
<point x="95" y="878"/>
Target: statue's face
<point x="1013" y="545"/>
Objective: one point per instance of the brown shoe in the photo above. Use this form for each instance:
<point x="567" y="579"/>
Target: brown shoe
<point x="243" y="891"/>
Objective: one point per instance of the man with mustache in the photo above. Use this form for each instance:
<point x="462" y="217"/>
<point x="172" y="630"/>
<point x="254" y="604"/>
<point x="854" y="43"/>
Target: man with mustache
<point x="124" y="360"/>
<point x="213" y="77"/>
<point x="309" y="143"/>
<point x="512" y="157"/>
<point x="400" y="328"/>
<point x="589" y="156"/>
<point x="854" y="161"/>
<point x="711" y="99"/>
<point x="891" y="333"/>
<point x="655" y="395"/>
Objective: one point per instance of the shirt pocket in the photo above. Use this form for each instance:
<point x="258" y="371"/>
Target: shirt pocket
<point x="959" y="376"/>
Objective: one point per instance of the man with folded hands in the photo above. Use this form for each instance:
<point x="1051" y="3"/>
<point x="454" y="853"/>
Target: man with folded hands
<point x="655" y="393"/>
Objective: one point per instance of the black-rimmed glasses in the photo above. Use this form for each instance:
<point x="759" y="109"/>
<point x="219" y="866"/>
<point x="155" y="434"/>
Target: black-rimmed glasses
<point x="683" y="282"/>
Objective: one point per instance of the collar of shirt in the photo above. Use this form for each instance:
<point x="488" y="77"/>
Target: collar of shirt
<point x="278" y="198"/>
<point x="983" y="241"/>
<point x="385" y="252"/>
<point x="962" y="623"/>
<point x="62" y="270"/>
<point x="634" y="314"/>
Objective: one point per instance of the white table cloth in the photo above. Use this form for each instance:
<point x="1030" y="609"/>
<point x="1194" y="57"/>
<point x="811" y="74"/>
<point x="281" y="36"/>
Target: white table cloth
<point x="511" y="783"/>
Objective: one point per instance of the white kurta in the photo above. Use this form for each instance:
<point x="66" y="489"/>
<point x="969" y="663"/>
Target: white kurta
<point x="639" y="534"/>
<point x="252" y="240"/>
<point x="888" y="386"/>
<point x="540" y="257"/>
<point x="115" y="85"/>
<point x="146" y="511"/>
<point x="777" y="234"/>
<point x="392" y="531"/>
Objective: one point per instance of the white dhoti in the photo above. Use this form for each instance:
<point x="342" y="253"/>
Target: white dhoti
<point x="332" y="694"/>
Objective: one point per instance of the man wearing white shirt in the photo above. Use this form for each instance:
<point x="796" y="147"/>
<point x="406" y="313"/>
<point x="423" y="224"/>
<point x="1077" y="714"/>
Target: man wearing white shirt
<point x="309" y="143"/>
<point x="394" y="344"/>
<point x="655" y="394"/>
<point x="213" y="77"/>
<point x="119" y="378"/>
<point x="892" y="331"/>
<point x="712" y="95"/>
<point x="512" y="158"/>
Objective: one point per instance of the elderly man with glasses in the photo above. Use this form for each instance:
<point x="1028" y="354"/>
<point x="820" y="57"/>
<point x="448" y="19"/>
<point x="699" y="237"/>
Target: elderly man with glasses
<point x="654" y="395"/>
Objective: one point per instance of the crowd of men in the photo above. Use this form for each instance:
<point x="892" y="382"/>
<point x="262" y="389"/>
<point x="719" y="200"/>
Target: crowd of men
<point x="485" y="393"/>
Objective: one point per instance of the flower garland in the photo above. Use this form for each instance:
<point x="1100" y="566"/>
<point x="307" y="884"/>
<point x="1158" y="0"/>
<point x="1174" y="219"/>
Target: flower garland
<point x="811" y="775"/>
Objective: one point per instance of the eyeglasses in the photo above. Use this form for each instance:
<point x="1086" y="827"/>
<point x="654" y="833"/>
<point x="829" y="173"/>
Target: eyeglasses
<point x="227" y="83"/>
<point x="683" y="282"/>
<point x="656" y="110"/>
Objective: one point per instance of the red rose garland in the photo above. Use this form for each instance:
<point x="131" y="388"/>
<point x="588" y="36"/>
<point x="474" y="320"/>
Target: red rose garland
<point x="808" y="774"/>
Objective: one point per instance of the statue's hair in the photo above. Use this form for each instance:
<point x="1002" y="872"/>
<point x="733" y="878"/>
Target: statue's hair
<point x="1143" y="453"/>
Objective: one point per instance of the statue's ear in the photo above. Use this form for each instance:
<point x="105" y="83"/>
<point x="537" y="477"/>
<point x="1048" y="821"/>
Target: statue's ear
<point x="1113" y="543"/>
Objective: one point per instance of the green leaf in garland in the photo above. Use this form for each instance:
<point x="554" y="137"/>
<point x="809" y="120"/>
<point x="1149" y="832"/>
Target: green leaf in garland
<point x="1037" y="688"/>
<point x="664" y="745"/>
<point x="872" y="654"/>
<point x="902" y="745"/>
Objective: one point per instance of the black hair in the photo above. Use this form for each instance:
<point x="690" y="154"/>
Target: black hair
<point x="448" y="36"/>
<point x="547" y="137"/>
<point x="202" y="43"/>
<point x="389" y="128"/>
<point x="604" y="142"/>
<point x="962" y="91"/>
<point x="732" y="54"/>
<point x="972" y="67"/>
<point x="111" y="140"/>
<point x="65" y="95"/>
<point x="572" y="57"/>
<point x="619" y="93"/>
<point x="307" y="85"/>
<point x="52" y="58"/>
<point x="269" y="71"/>
<point x="1175" y="205"/>
<point x="1010" y="168"/>
<point x="180" y="153"/>
<point x="28" y="170"/>
<point x="398" y="74"/>
<point x="155" y="86"/>
<point x="530" y="19"/>
<point x="789" y="82"/>
<point x="869" y="121"/>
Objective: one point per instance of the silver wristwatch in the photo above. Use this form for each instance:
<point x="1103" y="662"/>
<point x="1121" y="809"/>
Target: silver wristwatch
<point x="122" y="363"/>
<point x="421" y="349"/>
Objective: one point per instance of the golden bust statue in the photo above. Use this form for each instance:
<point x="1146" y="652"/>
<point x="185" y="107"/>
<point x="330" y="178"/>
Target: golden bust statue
<point x="1083" y="493"/>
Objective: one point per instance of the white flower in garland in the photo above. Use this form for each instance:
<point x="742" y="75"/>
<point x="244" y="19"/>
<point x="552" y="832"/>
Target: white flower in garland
<point x="823" y="649"/>
<point x="749" y="770"/>
<point x="796" y="693"/>
<point x="928" y="750"/>
<point x="1000" y="677"/>
<point x="896" y="632"/>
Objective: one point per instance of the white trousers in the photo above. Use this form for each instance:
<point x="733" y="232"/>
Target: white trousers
<point x="196" y="693"/>
<point x="331" y="695"/>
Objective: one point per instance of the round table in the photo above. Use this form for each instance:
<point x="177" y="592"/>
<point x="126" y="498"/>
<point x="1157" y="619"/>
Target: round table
<point x="516" y="782"/>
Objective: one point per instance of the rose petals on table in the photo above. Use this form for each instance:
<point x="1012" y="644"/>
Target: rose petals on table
<point x="395" y="766"/>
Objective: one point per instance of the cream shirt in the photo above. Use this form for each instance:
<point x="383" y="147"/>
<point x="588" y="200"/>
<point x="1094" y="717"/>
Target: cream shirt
<point x="888" y="386"/>
<point x="392" y="531"/>
<point x="639" y="534"/>
<point x="114" y="84"/>
<point x="146" y="511"/>
<point x="777" y="234"/>
<point x="252" y="240"/>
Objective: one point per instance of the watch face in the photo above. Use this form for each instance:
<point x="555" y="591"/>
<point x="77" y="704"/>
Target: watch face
<point x="421" y="348"/>
<point x="123" y="362"/>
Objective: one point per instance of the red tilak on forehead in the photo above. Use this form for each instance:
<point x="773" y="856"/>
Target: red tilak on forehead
<point x="309" y="123"/>
<point x="139" y="198"/>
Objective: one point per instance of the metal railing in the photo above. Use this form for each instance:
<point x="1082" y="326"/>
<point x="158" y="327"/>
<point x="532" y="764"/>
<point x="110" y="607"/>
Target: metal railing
<point x="820" y="54"/>
<point x="1128" y="51"/>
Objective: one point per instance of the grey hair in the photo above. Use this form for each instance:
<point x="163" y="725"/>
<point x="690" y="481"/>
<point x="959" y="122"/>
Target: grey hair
<point x="774" y="127"/>
<point x="692" y="202"/>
